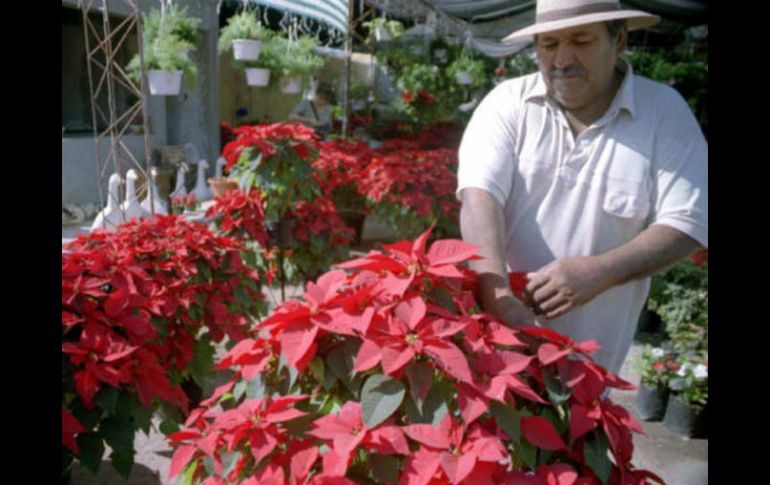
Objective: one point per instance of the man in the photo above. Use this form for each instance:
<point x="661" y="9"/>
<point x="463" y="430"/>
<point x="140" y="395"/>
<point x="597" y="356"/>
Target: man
<point x="317" y="112"/>
<point x="586" y="177"/>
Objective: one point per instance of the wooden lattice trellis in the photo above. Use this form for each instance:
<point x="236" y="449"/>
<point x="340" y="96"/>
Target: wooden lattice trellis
<point x="103" y="77"/>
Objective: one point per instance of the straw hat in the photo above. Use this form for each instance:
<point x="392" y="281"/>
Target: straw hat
<point x="553" y="15"/>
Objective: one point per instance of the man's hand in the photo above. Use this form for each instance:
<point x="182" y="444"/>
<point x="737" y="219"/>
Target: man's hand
<point x="566" y="284"/>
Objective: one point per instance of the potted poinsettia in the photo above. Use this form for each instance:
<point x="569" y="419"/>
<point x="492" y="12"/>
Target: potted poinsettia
<point x="168" y="39"/>
<point x="277" y="160"/>
<point x="386" y="372"/>
<point x="409" y="188"/>
<point x="244" y="34"/>
<point x="142" y="309"/>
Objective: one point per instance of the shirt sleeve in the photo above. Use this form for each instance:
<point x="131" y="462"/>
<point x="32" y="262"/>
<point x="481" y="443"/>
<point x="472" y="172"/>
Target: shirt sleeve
<point x="325" y="116"/>
<point x="300" y="109"/>
<point x="681" y="172"/>
<point x="486" y="154"/>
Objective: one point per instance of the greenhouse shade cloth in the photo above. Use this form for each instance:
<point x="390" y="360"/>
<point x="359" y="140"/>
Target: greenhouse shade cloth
<point x="333" y="13"/>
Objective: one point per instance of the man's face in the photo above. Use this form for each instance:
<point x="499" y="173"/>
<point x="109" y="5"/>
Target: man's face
<point x="577" y="63"/>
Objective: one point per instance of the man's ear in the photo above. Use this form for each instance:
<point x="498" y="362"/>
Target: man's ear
<point x="622" y="40"/>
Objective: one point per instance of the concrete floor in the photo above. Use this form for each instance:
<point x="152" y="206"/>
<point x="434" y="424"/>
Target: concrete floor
<point x="678" y="461"/>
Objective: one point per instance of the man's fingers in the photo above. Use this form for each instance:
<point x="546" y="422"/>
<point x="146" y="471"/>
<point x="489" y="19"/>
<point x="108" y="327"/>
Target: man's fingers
<point x="536" y="280"/>
<point x="558" y="311"/>
<point x="544" y="294"/>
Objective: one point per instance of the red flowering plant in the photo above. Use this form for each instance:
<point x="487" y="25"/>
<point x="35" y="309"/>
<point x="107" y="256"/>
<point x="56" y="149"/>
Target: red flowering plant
<point x="657" y="365"/>
<point x="281" y="162"/>
<point x="275" y="158"/>
<point x="182" y="203"/>
<point x="386" y="371"/>
<point x="420" y="85"/>
<point x="141" y="310"/>
<point x="411" y="188"/>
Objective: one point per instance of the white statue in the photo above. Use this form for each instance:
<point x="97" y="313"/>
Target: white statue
<point x="191" y="152"/>
<point x="160" y="205"/>
<point x="202" y="191"/>
<point x="221" y="162"/>
<point x="131" y="207"/>
<point x="110" y="216"/>
<point x="180" y="189"/>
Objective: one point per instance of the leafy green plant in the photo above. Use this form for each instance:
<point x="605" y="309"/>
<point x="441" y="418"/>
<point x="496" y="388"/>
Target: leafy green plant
<point x="657" y="365"/>
<point x="690" y="382"/>
<point x="269" y="57"/>
<point x="682" y="69"/>
<point x="680" y="297"/>
<point x="297" y="57"/>
<point x="168" y="39"/>
<point x="467" y="64"/>
<point x="243" y="25"/>
<point x="393" y="27"/>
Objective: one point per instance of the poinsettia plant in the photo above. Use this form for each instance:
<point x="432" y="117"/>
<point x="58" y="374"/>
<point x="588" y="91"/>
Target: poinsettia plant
<point x="385" y="371"/>
<point x="141" y="310"/>
<point x="341" y="167"/>
<point x="320" y="236"/>
<point x="410" y="188"/>
<point x="275" y="158"/>
<point x="182" y="203"/>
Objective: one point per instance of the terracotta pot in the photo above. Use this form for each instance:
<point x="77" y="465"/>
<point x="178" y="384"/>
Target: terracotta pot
<point x="651" y="402"/>
<point x="221" y="186"/>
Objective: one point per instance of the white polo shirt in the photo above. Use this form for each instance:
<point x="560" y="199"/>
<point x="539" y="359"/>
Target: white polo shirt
<point x="644" y="162"/>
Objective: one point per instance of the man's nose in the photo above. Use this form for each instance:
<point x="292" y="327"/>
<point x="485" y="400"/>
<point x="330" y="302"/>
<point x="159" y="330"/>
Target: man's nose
<point x="565" y="56"/>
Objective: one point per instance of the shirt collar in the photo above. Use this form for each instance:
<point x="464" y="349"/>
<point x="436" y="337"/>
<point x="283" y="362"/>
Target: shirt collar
<point x="624" y="98"/>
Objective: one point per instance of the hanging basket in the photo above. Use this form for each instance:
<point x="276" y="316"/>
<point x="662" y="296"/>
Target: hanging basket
<point x="464" y="78"/>
<point x="257" y="77"/>
<point x="164" y="83"/>
<point x="291" y="85"/>
<point x="246" y="50"/>
<point x="381" y="34"/>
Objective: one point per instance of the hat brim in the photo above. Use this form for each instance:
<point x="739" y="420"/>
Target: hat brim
<point x="636" y="20"/>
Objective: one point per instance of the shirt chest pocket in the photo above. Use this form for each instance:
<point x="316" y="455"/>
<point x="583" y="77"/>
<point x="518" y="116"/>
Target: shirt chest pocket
<point x="627" y="199"/>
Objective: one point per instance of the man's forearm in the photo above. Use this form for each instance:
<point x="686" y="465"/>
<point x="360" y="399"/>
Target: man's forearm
<point x="567" y="283"/>
<point x="652" y="251"/>
<point x="482" y="224"/>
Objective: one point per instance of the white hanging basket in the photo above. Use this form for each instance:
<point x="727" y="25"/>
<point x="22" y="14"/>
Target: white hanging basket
<point x="381" y="34"/>
<point x="464" y="77"/>
<point x="291" y="85"/>
<point x="164" y="83"/>
<point x="257" y="76"/>
<point x="246" y="50"/>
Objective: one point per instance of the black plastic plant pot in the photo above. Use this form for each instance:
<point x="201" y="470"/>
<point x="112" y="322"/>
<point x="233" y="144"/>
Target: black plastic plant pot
<point x="686" y="419"/>
<point x="649" y="322"/>
<point x="651" y="402"/>
<point x="281" y="232"/>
